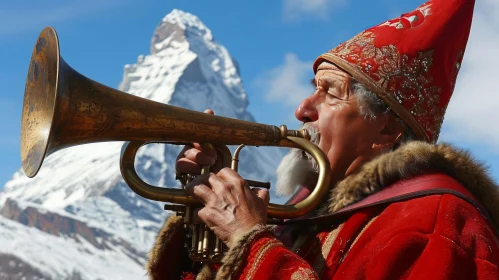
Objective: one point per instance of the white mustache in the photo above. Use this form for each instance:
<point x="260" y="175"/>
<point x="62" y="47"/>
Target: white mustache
<point x="315" y="138"/>
<point x="315" y="135"/>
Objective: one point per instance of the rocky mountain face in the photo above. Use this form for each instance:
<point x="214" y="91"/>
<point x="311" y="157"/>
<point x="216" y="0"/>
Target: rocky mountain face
<point x="77" y="219"/>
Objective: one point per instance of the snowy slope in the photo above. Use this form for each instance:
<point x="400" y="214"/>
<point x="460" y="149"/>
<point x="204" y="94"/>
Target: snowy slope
<point x="77" y="219"/>
<point x="61" y="257"/>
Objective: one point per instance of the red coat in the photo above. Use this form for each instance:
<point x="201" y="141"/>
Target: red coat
<point x="439" y="236"/>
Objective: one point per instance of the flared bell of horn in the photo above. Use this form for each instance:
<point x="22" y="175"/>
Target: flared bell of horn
<point x="40" y="97"/>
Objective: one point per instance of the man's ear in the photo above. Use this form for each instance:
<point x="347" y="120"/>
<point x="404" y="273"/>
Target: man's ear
<point x="390" y="135"/>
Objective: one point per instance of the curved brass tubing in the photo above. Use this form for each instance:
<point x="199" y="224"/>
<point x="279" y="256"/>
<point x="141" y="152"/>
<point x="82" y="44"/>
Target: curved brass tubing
<point x="180" y="196"/>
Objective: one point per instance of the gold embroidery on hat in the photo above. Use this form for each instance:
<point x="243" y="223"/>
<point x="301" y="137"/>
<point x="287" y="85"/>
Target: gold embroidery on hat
<point x="405" y="78"/>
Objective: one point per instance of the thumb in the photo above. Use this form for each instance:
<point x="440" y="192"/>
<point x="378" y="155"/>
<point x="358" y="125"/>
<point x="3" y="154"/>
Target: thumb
<point x="263" y="194"/>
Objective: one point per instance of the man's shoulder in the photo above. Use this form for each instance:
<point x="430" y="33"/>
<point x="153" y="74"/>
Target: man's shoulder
<point x="443" y="218"/>
<point x="436" y="210"/>
<point x="429" y="236"/>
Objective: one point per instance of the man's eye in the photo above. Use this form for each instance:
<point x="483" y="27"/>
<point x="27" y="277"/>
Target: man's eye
<point x="337" y="93"/>
<point x="334" y="93"/>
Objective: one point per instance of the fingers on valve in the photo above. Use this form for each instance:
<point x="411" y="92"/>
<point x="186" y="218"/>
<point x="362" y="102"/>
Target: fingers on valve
<point x="184" y="165"/>
<point x="228" y="175"/>
<point x="192" y="158"/>
<point x="199" y="189"/>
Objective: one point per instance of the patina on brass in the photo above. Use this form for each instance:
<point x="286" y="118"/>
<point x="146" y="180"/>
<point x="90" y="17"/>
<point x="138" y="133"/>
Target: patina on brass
<point x="63" y="108"/>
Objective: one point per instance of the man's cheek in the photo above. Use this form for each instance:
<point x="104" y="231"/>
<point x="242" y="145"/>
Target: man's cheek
<point x="324" y="144"/>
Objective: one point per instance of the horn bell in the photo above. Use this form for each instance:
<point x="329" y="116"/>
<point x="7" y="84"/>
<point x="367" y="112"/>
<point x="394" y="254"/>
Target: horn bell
<point x="39" y="101"/>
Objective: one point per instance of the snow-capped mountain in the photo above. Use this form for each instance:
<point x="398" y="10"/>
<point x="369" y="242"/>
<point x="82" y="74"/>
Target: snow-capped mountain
<point x="77" y="219"/>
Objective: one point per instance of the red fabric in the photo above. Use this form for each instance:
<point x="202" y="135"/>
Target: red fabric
<point x="273" y="261"/>
<point x="187" y="276"/>
<point x="412" y="61"/>
<point x="432" y="237"/>
<point x="438" y="237"/>
<point x="352" y="228"/>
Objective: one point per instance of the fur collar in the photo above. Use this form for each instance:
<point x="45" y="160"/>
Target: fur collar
<point x="410" y="160"/>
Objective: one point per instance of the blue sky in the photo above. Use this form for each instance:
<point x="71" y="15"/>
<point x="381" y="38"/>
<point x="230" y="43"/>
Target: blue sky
<point x="269" y="39"/>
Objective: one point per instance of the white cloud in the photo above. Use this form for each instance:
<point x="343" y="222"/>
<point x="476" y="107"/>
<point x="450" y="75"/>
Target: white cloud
<point x="318" y="9"/>
<point x="473" y="112"/>
<point x="287" y="83"/>
<point x="14" y="20"/>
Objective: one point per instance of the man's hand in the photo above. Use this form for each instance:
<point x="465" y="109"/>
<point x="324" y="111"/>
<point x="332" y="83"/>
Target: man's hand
<point x="231" y="209"/>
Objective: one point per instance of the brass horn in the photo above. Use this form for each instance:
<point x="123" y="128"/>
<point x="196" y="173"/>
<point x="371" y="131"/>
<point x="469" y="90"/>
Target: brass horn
<point x="63" y="108"/>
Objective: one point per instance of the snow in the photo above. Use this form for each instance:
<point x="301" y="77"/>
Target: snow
<point x="187" y="68"/>
<point x="59" y="257"/>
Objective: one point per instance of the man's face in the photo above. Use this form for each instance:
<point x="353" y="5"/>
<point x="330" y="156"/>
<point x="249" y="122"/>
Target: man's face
<point x="346" y="137"/>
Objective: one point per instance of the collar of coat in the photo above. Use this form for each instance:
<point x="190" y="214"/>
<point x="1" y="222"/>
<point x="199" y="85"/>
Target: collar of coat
<point x="412" y="159"/>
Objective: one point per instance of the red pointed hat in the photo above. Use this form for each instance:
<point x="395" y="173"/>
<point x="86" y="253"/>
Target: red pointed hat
<point x="411" y="62"/>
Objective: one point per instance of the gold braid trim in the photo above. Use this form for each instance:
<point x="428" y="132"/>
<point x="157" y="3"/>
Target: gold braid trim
<point x="234" y="260"/>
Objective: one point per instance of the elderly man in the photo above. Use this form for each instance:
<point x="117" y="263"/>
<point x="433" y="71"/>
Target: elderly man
<point x="401" y="207"/>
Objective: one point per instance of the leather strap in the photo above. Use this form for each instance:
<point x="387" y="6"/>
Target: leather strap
<point x="424" y="185"/>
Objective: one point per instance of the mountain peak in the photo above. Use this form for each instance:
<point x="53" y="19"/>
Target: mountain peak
<point x="184" y="20"/>
<point x="176" y="28"/>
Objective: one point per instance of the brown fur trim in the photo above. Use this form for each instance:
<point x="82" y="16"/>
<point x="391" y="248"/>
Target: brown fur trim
<point x="160" y="264"/>
<point x="206" y="273"/>
<point x="410" y="160"/>
<point x="234" y="260"/>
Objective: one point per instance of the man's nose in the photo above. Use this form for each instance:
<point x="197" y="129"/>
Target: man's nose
<point x="307" y="110"/>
